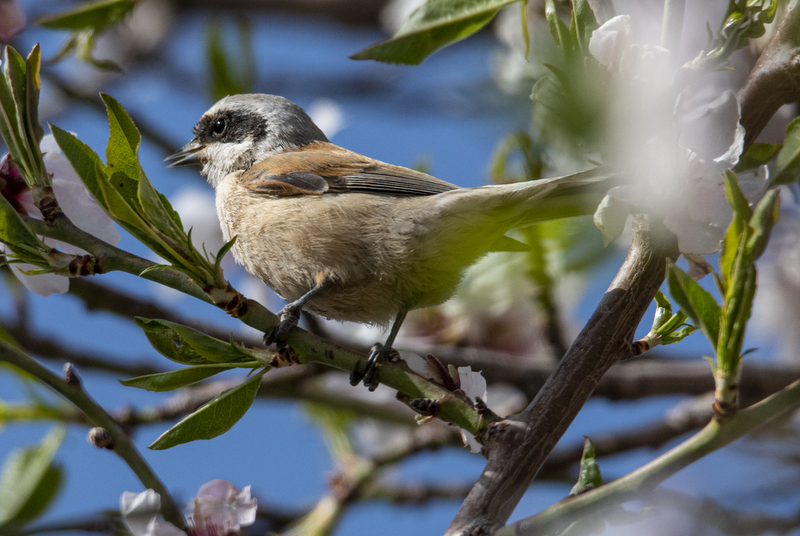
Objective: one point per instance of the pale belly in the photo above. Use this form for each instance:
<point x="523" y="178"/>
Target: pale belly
<point x="369" y="245"/>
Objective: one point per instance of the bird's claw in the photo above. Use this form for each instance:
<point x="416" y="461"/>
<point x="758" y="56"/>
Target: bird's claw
<point x="289" y="316"/>
<point x="377" y="354"/>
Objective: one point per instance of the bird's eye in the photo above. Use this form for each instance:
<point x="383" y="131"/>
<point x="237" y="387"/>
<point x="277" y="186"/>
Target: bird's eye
<point x="219" y="126"/>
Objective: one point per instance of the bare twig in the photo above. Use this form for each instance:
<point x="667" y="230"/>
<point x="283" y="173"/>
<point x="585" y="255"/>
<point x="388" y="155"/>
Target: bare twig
<point x="123" y="446"/>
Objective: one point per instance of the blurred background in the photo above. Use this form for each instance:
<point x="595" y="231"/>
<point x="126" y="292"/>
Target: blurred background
<point x="459" y="116"/>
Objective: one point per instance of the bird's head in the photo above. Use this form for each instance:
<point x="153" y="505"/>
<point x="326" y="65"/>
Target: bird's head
<point x="241" y="130"/>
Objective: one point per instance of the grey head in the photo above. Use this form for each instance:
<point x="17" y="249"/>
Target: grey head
<point x="240" y="130"/>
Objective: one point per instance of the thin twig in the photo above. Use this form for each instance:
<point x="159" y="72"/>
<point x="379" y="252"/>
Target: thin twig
<point x="122" y="444"/>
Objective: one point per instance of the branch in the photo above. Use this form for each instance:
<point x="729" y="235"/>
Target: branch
<point x="775" y="79"/>
<point x="302" y="347"/>
<point x="517" y="447"/>
<point x="628" y="380"/>
<point x="713" y="437"/>
<point x="122" y="444"/>
<point x="687" y="416"/>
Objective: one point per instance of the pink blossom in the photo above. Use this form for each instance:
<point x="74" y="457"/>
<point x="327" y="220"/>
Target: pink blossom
<point x="12" y="19"/>
<point x="218" y="510"/>
<point x="74" y="200"/>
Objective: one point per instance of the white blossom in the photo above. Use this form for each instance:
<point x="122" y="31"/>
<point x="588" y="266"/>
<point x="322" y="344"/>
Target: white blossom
<point x="77" y="205"/>
<point x="672" y="146"/>
<point x="219" y="509"/>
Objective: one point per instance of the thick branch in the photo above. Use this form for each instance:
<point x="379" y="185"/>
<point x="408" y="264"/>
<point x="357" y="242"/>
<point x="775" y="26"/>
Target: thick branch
<point x="517" y="447"/>
<point x="775" y="79"/>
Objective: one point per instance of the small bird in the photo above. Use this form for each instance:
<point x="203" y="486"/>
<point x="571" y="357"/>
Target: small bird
<point x="349" y="237"/>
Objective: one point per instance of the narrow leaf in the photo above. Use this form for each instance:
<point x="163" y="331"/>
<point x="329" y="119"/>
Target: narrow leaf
<point x="695" y="302"/>
<point x="739" y="203"/>
<point x="214" y="418"/>
<point x="33" y="85"/>
<point x="169" y="381"/>
<point x="757" y="155"/>
<point x="788" y="162"/>
<point x="558" y="29"/>
<point x="765" y="216"/>
<point x="434" y="25"/>
<point x="589" y="476"/>
<point x="123" y="143"/>
<point x="583" y="24"/>
<point x="97" y="14"/>
<point x="189" y="346"/>
<point x="13" y="229"/>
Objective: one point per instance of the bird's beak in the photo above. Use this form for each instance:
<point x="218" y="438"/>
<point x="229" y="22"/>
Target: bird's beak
<point x="189" y="154"/>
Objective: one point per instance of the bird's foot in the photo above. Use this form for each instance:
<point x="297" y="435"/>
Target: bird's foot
<point x="290" y="316"/>
<point x="377" y="354"/>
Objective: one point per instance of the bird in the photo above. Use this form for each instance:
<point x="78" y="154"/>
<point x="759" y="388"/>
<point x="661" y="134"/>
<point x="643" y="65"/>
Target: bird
<point x="349" y="237"/>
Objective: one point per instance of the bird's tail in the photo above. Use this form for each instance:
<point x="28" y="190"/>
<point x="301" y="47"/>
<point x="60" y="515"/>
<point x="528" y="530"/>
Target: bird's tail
<point x="520" y="204"/>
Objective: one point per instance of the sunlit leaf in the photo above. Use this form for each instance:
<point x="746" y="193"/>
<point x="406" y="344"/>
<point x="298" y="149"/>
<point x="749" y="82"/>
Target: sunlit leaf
<point x="696" y="302"/>
<point x="788" y="162"/>
<point x="589" y="476"/>
<point x="214" y="418"/>
<point x="757" y="155"/>
<point x="434" y="25"/>
<point x="169" y="381"/>
<point x="183" y="344"/>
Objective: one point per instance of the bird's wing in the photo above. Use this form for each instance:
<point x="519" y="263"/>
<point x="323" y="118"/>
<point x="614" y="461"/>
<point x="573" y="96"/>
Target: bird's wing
<point x="321" y="167"/>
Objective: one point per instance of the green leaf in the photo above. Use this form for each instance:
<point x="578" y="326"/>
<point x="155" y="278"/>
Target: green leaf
<point x="765" y="216"/>
<point x="28" y="481"/>
<point x="214" y="418"/>
<point x="558" y="29"/>
<point x="96" y="15"/>
<point x="224" y="249"/>
<point x="526" y="34"/>
<point x="583" y="24"/>
<point x="737" y="200"/>
<point x="14" y="231"/>
<point x="663" y="310"/>
<point x="696" y="302"/>
<point x="122" y="151"/>
<point x="757" y="155"/>
<point x="183" y="344"/>
<point x="33" y="85"/>
<point x="169" y="381"/>
<point x="434" y="25"/>
<point x="788" y="162"/>
<point x="678" y="335"/>
<point x="589" y="476"/>
<point x="159" y="212"/>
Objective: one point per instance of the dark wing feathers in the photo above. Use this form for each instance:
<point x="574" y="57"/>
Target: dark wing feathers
<point x="321" y="167"/>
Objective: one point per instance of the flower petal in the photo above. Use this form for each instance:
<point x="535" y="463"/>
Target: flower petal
<point x="610" y="40"/>
<point x="245" y="507"/>
<point x="41" y="284"/>
<point x="84" y="211"/>
<point x="472" y="383"/>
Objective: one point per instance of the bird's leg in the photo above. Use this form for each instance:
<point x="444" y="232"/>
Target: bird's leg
<point x="290" y="314"/>
<point x="379" y="352"/>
